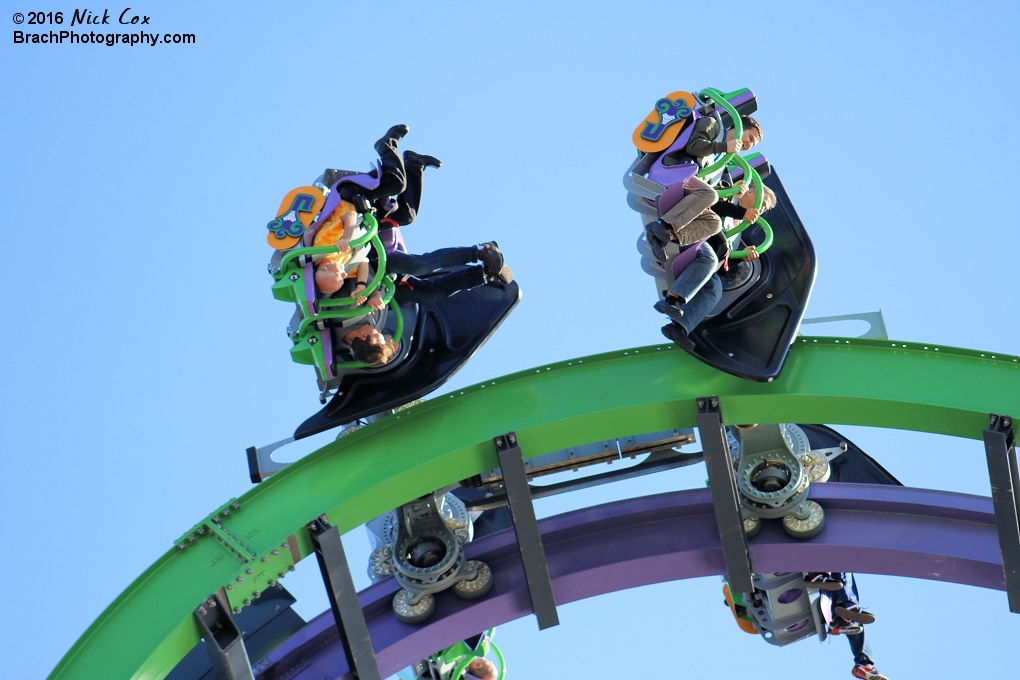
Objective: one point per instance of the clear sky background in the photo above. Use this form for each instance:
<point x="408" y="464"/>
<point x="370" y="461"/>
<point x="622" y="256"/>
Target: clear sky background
<point x="142" y="350"/>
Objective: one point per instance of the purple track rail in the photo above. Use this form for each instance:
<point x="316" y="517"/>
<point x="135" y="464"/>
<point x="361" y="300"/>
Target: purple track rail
<point x="869" y="529"/>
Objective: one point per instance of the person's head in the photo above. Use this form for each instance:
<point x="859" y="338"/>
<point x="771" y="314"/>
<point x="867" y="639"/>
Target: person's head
<point x="329" y="275"/>
<point x="768" y="200"/>
<point x="752" y="132"/>
<point x="482" y="668"/>
<point x="373" y="347"/>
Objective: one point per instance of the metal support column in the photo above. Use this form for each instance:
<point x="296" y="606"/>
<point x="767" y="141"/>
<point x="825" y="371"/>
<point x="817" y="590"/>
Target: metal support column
<point x="343" y="599"/>
<point x="529" y="539"/>
<point x="223" y="639"/>
<point x="725" y="499"/>
<point x="1000" y="448"/>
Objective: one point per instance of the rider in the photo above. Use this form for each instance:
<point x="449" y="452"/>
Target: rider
<point x="331" y="270"/>
<point x="698" y="288"/>
<point x="848" y="618"/>
<point x="400" y="177"/>
<point x="703" y="141"/>
<point x="362" y="335"/>
<point x="706" y="262"/>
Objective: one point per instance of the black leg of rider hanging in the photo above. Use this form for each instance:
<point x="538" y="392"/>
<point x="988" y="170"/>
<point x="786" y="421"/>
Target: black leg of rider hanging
<point x="435" y="288"/>
<point x="409" y="200"/>
<point x="394" y="177"/>
<point x="419" y="265"/>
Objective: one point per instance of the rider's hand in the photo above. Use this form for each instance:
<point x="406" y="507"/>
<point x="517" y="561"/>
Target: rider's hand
<point x="359" y="299"/>
<point x="376" y="303"/>
<point x="734" y="145"/>
<point x="741" y="188"/>
<point x="752" y="254"/>
<point x="751" y="215"/>
<point x="344" y="245"/>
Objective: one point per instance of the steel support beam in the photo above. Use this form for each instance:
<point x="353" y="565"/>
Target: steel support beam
<point x="723" y="482"/>
<point x="223" y="639"/>
<point x="343" y="599"/>
<point x="529" y="540"/>
<point x="1000" y="448"/>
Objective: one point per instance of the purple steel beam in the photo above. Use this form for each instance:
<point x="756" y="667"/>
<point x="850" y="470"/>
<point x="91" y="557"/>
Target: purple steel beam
<point x="874" y="529"/>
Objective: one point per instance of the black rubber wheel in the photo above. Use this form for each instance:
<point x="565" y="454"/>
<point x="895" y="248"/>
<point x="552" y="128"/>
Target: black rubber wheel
<point x="477" y="587"/>
<point x="804" y="529"/>
<point x="413" y="613"/>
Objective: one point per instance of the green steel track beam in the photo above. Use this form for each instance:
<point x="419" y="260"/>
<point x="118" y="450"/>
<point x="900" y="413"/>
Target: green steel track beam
<point x="247" y="544"/>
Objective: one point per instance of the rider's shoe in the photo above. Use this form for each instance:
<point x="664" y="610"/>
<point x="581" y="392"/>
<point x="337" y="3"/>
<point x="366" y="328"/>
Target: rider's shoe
<point x="505" y="275"/>
<point x="655" y="245"/>
<point x="660" y="230"/>
<point x="678" y="335"/>
<point x="853" y="612"/>
<point x="491" y="258"/>
<point x="822" y="580"/>
<point x="867" y="672"/>
<point x="412" y="158"/>
<point x="841" y="626"/>
<point x="390" y="139"/>
<point x="669" y="308"/>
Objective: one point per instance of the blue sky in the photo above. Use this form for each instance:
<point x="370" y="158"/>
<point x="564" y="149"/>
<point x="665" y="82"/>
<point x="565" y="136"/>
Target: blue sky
<point x="143" y="351"/>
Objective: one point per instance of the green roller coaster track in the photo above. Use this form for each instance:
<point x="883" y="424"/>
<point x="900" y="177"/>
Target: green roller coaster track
<point x="146" y="631"/>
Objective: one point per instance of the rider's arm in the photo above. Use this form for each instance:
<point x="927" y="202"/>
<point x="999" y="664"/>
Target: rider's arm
<point x="700" y="143"/>
<point x="727" y="209"/>
<point x="361" y="283"/>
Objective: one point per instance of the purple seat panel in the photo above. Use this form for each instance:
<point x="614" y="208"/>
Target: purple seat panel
<point x="869" y="529"/>
<point x="393" y="240"/>
<point x="684" y="259"/>
<point x="326" y="338"/>
<point x="308" y="304"/>
<point x="667" y="174"/>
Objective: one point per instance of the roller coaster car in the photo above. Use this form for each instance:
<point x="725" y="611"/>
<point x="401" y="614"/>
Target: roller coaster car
<point x="750" y="331"/>
<point x="779" y="610"/>
<point x="437" y="340"/>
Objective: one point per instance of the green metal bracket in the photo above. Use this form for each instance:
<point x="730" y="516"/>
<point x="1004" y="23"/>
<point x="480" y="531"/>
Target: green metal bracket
<point x="254" y="570"/>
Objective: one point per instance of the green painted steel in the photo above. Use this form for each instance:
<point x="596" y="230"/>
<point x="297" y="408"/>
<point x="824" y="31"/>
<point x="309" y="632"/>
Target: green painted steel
<point x="911" y="386"/>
